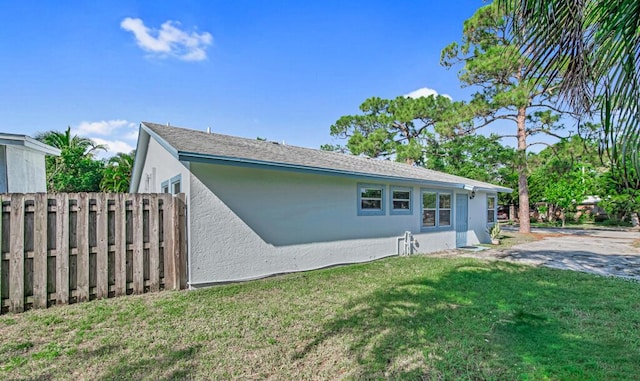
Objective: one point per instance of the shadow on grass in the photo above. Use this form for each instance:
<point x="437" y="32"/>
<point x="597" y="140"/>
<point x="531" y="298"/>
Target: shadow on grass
<point x="490" y="321"/>
<point x="172" y="365"/>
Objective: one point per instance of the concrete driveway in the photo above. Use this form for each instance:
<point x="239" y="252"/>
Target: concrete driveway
<point x="602" y="252"/>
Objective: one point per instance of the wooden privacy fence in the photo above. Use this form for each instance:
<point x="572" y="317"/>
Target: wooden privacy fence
<point x="69" y="248"/>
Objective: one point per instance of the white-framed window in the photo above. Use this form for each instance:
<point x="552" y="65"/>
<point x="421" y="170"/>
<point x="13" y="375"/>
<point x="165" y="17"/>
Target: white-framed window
<point x="165" y="186"/>
<point x="492" y="209"/>
<point x="371" y="200"/>
<point x="401" y="200"/>
<point x="436" y="209"/>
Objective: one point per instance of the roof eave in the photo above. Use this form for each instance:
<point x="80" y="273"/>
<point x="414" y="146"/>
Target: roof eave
<point x="226" y="160"/>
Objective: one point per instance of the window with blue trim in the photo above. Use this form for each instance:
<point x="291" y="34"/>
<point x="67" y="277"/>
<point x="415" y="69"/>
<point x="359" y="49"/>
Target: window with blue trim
<point x="436" y="209"/>
<point x="175" y="184"/>
<point x="400" y="200"/>
<point x="370" y="200"/>
<point x="172" y="185"/>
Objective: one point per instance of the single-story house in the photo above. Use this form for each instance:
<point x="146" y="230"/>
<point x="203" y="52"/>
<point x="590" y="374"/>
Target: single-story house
<point x="22" y="166"/>
<point x="257" y="208"/>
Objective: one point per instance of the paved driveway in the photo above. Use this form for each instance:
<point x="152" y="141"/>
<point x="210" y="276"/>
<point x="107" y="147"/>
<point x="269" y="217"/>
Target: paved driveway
<point x="608" y="253"/>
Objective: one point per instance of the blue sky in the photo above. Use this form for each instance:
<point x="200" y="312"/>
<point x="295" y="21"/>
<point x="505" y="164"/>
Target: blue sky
<point x="282" y="70"/>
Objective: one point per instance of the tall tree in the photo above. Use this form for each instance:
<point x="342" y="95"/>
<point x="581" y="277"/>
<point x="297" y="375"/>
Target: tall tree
<point x="395" y="128"/>
<point x="597" y="45"/>
<point x="117" y="173"/>
<point x="493" y="63"/>
<point x="76" y="169"/>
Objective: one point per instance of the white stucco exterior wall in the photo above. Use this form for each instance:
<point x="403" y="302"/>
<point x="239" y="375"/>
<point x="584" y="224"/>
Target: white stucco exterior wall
<point x="24" y="169"/>
<point x="247" y="223"/>
<point x="160" y="166"/>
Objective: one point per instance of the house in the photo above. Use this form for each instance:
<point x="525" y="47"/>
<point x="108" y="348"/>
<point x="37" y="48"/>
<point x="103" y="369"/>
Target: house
<point x="22" y="166"/>
<point x="257" y="208"/>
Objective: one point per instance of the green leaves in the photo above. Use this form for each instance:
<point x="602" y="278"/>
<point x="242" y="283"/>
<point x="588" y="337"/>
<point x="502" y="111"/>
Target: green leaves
<point x="396" y="128"/>
<point x="117" y="173"/>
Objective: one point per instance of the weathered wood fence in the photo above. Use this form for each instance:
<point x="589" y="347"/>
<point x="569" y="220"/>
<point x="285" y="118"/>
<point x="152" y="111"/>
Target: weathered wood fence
<point x="69" y="248"/>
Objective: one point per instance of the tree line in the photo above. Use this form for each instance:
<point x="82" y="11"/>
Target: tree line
<point x="526" y="87"/>
<point x="77" y="169"/>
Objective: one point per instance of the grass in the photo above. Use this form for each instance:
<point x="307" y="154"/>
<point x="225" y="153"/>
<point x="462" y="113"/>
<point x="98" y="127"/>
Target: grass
<point x="399" y="318"/>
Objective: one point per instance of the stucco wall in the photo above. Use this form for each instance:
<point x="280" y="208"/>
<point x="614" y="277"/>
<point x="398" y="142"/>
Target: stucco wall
<point x="160" y="166"/>
<point x="25" y="170"/>
<point x="247" y="223"/>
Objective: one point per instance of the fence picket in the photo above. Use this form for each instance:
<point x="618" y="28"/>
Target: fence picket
<point x="102" y="253"/>
<point x="40" y="253"/>
<point x="138" y="245"/>
<point x="62" y="248"/>
<point x="16" y="264"/>
<point x="154" y="245"/>
<point x="120" y="234"/>
<point x="53" y="253"/>
<point x="82" y="233"/>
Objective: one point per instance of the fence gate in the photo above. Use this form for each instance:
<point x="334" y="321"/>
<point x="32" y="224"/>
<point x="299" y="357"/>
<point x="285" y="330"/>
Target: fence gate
<point x="74" y="247"/>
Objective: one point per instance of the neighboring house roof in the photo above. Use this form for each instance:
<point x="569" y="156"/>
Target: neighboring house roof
<point x="199" y="146"/>
<point x="28" y="142"/>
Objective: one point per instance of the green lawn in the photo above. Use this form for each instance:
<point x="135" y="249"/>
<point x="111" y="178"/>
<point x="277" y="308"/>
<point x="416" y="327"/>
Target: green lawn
<point x="400" y="318"/>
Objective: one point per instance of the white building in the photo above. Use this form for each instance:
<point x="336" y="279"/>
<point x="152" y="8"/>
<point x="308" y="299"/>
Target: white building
<point x="22" y="166"/>
<point x="257" y="208"/>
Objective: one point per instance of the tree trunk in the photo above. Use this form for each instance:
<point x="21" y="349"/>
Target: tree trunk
<point x="523" y="184"/>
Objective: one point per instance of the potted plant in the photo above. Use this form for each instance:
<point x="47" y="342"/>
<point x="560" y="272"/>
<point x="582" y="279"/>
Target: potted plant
<point x="494" y="233"/>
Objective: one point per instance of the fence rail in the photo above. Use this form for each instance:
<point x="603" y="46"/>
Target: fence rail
<point x="74" y="247"/>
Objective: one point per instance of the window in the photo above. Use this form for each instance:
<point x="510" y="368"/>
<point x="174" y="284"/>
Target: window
<point x="400" y="200"/>
<point x="370" y="200"/>
<point x="492" y="209"/>
<point x="175" y="184"/>
<point x="165" y="187"/>
<point x="436" y="209"/>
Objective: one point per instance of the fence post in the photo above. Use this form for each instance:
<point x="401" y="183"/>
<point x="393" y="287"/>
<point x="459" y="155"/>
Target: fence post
<point x="40" y="254"/>
<point x="16" y="264"/>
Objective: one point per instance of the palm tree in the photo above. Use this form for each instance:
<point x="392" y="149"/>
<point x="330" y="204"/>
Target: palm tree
<point x="593" y="47"/>
<point x="76" y="169"/>
<point x="64" y="140"/>
<point x="117" y="173"/>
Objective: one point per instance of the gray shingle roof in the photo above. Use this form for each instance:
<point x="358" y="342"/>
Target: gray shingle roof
<point x="192" y="144"/>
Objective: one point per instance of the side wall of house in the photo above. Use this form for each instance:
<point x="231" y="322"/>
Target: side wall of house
<point x="160" y="167"/>
<point x="25" y="170"/>
<point x="247" y="223"/>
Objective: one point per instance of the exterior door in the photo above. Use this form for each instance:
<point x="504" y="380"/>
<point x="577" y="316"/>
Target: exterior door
<point x="462" y="219"/>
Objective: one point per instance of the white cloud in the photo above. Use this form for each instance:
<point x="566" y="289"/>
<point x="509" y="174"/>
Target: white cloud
<point x="118" y="135"/>
<point x="113" y="147"/>
<point x="169" y="40"/>
<point x="103" y="127"/>
<point x="424" y="92"/>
